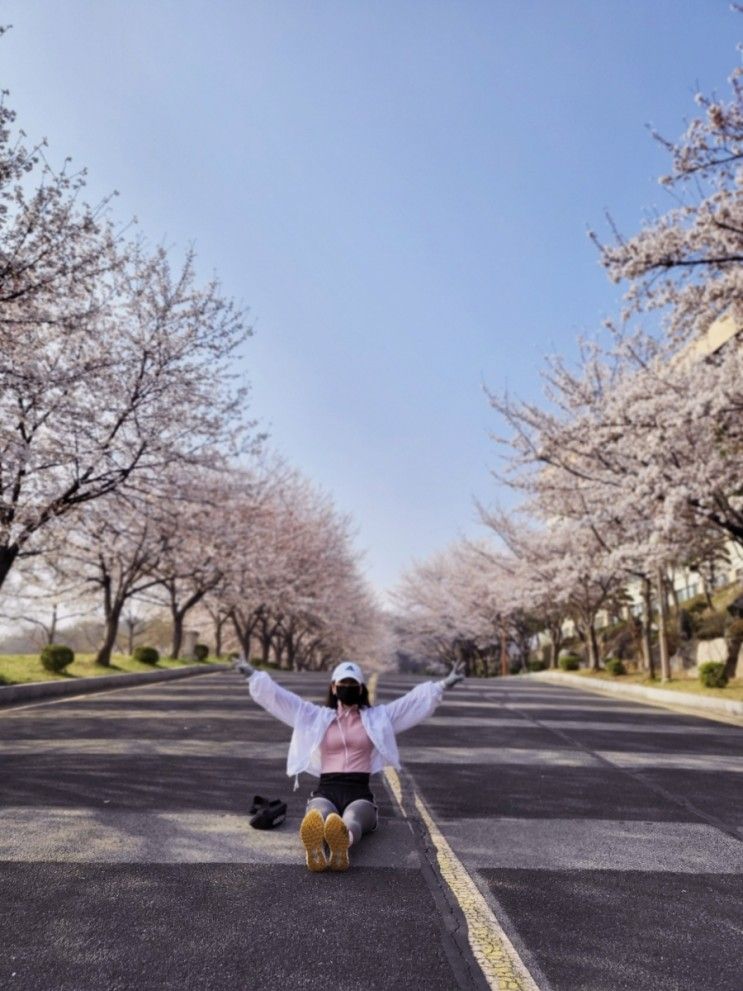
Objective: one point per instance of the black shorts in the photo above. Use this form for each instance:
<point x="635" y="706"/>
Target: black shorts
<point x="342" y="789"/>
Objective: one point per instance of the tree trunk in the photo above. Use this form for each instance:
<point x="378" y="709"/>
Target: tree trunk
<point x="243" y="636"/>
<point x="733" y="642"/>
<point x="647" y="618"/>
<point x="504" y="666"/>
<point x="592" y="644"/>
<point x="290" y="645"/>
<point x="555" y="633"/>
<point x="675" y="597"/>
<point x="178" y="617"/>
<point x="265" y="639"/>
<point x="53" y="627"/>
<point x="7" y="560"/>
<point x="595" y="645"/>
<point x="218" y="626"/>
<point x="551" y="654"/>
<point x="665" y="662"/>
<point x="111" y="630"/>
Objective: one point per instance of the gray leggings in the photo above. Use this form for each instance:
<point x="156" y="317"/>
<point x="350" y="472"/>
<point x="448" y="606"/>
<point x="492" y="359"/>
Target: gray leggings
<point x="360" y="816"/>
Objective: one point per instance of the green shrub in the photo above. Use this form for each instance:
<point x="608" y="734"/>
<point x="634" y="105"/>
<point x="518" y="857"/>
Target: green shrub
<point x="615" y="666"/>
<point x="200" y="652"/>
<point x="55" y="657"/>
<point x="536" y="664"/>
<point x="514" y="667"/>
<point x="712" y="674"/>
<point x="569" y="662"/>
<point x="146" y="655"/>
<point x="711" y="626"/>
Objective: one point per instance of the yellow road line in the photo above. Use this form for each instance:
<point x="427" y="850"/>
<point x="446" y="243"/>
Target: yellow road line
<point x="496" y="955"/>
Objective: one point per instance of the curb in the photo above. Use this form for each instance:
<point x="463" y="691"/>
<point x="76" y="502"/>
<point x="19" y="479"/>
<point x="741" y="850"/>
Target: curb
<point x="720" y="707"/>
<point x="106" y="682"/>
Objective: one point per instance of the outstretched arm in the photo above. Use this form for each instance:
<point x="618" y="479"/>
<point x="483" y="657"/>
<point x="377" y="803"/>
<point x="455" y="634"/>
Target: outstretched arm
<point x="419" y="703"/>
<point x="243" y="665"/>
<point x="455" y="675"/>
<point x="280" y="702"/>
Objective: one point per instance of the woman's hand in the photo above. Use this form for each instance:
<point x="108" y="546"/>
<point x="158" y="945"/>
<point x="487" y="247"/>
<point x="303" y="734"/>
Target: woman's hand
<point x="454" y="676"/>
<point x="242" y="665"/>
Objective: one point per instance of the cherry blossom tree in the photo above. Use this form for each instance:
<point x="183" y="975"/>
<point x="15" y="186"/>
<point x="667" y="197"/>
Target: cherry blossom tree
<point x="686" y="263"/>
<point x="196" y="538"/>
<point x="113" y="362"/>
<point x="46" y="623"/>
<point x="53" y="247"/>
<point x="293" y="586"/>
<point x="111" y="554"/>
<point x="535" y="563"/>
<point x="213" y="606"/>
<point x="631" y="464"/>
<point x="640" y="443"/>
<point x="462" y="604"/>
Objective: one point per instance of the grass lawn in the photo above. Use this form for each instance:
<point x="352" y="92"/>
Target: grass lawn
<point x="688" y="685"/>
<point x="18" y="669"/>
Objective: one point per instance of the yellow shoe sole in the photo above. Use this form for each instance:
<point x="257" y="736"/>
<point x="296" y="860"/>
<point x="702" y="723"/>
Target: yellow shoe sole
<point x="337" y="838"/>
<point x="312" y="834"/>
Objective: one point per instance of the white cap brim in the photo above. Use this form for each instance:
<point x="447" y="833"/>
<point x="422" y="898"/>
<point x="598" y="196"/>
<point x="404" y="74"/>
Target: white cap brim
<point x="347" y="669"/>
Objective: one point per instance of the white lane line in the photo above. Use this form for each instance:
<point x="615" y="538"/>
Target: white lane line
<point x="555" y="706"/>
<point x="496" y="722"/>
<point x="500" y="755"/>
<point x="276" y="750"/>
<point x="103" y="835"/>
<point x="668" y="727"/>
<point x="560" y="844"/>
<point x="708" y="763"/>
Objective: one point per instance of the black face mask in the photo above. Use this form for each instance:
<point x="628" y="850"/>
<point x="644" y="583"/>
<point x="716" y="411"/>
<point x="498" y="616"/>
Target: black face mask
<point x="349" y="694"/>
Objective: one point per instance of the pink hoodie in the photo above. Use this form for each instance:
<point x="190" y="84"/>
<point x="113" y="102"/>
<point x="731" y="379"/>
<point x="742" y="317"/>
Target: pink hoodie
<point x="346" y="746"/>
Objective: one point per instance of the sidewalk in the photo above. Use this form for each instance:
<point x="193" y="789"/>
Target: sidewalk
<point x="655" y="696"/>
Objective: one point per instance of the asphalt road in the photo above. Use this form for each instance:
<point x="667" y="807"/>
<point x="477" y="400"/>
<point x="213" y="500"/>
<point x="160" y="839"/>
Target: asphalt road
<point x="607" y="837"/>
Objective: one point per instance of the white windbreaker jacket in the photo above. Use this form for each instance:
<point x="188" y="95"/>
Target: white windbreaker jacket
<point x="310" y="721"/>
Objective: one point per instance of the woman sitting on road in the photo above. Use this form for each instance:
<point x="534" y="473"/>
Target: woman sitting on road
<point x="342" y="742"/>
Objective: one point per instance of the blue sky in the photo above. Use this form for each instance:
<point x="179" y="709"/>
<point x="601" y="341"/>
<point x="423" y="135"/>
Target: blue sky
<point x="399" y="192"/>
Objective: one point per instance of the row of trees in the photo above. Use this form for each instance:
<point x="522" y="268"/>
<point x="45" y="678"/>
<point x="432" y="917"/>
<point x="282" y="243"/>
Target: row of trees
<point x="129" y="468"/>
<point x="632" y="465"/>
<point x="258" y="556"/>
